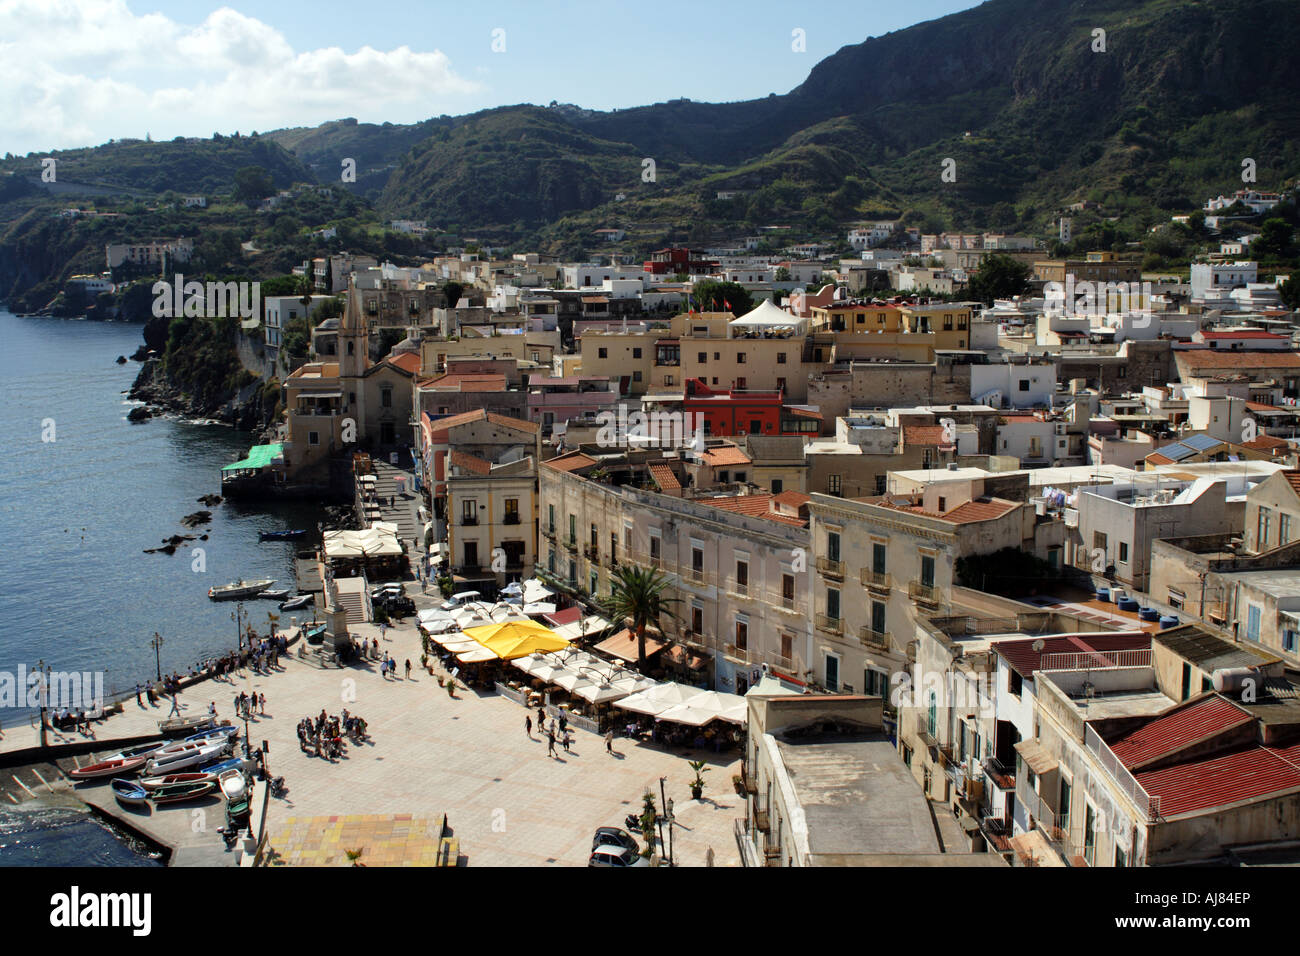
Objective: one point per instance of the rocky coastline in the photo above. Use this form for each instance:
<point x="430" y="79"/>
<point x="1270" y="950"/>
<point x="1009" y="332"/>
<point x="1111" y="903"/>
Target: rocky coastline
<point x="162" y="396"/>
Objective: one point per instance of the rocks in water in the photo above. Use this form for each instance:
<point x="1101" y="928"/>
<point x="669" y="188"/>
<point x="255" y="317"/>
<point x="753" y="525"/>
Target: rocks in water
<point x="209" y="500"/>
<point x="196" y="519"/>
<point x="141" y="413"/>
<point x="177" y="539"/>
<point x="121" y="360"/>
<point x="165" y="549"/>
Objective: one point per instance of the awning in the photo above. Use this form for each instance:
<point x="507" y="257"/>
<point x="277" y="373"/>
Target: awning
<point x="679" y="655"/>
<point x="1036" y="756"/>
<point x="1034" y="846"/>
<point x="259" y="456"/>
<point x="623" y="646"/>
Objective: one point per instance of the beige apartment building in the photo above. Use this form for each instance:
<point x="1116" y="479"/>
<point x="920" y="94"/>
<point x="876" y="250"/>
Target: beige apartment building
<point x="881" y="559"/>
<point x="738" y="563"/>
<point x="491" y="517"/>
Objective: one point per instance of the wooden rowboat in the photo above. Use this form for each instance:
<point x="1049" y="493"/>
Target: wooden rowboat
<point x="183" y="724"/>
<point x="108" y="768"/>
<point x="153" y="783"/>
<point x="129" y="792"/>
<point x="180" y="792"/>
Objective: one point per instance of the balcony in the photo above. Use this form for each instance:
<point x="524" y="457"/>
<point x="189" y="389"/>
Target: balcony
<point x="736" y="589"/>
<point x="571" y="544"/>
<point x="737" y="653"/>
<point x="785" y="602"/>
<point x="874" y="640"/>
<point x="831" y="569"/>
<point x="877" y="581"/>
<point x="911" y="650"/>
<point x="923" y="733"/>
<point x="747" y="779"/>
<point x="762" y="822"/>
<point x="512" y="517"/>
<point x="468" y="521"/>
<point x="924" y="594"/>
<point x="548" y="532"/>
<point x="591" y="553"/>
<point x="831" y="625"/>
<point x="998" y="772"/>
<point x="697" y="576"/>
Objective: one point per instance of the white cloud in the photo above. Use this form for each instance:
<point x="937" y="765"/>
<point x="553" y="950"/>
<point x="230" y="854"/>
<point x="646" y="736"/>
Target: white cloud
<point x="81" y="72"/>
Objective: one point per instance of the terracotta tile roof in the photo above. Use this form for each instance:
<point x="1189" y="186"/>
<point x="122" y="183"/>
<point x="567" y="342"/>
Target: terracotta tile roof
<point x="923" y="435"/>
<point x="1157" y="459"/>
<point x="754" y="506"/>
<point x="1243" y="334"/>
<point x="1266" y="443"/>
<point x="1024" y="660"/>
<point x="1208" y="358"/>
<point x="980" y="511"/>
<point x="793" y="499"/>
<point x="408" y="362"/>
<point x="725" y="455"/>
<point x="664" y="478"/>
<point x="804" y="413"/>
<point x="570" y="462"/>
<point x="1021" y="418"/>
<point x="1293" y="479"/>
<point x="1177" y="729"/>
<point x="1261" y="407"/>
<point x="479" y="466"/>
<point x="467" y="382"/>
<point x="479" y="415"/>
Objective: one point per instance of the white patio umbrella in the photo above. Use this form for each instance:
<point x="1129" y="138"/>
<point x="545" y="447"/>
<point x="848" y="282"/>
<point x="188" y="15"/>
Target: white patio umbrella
<point x="434" y="614"/>
<point x="442" y="627"/>
<point x="476" y="655"/>
<point x="704" y="707"/>
<point x="655" y="700"/>
<point x="457" y="643"/>
<point x="538" y="607"/>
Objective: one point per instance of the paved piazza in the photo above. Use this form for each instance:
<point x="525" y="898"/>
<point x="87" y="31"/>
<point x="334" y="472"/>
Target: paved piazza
<point x="506" y="802"/>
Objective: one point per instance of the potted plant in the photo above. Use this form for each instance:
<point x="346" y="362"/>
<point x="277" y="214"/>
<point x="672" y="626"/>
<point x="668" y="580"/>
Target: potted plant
<point x="354" y="857"/>
<point x="424" y="661"/>
<point x="697" y="785"/>
<point x="738" y="782"/>
<point x="451" y="687"/>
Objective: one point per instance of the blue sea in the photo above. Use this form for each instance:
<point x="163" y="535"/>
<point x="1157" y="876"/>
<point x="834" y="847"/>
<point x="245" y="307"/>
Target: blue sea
<point x="83" y="492"/>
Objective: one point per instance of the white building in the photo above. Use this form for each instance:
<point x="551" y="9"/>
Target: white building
<point x="280" y="310"/>
<point x="1254" y="200"/>
<point x="1219" y="277"/>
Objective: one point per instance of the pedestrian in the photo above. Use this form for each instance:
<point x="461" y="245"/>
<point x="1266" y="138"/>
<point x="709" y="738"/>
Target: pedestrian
<point x="528" y="726"/>
<point x="564" y="723"/>
<point x="176" y="708"/>
<point x="609" y="741"/>
<point x="541" y="717"/>
<point x="408" y="668"/>
<point x="550" y="744"/>
<point x="212" y="709"/>
<point x="137" y="696"/>
<point x="565" y="738"/>
<point x="261" y="703"/>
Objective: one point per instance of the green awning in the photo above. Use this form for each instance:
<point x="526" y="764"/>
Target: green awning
<point x="259" y="456"/>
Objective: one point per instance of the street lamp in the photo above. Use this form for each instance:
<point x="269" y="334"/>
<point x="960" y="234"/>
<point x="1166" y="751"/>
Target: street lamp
<point x="238" y="617"/>
<point x="43" y="697"/>
<point x="156" y="642"/>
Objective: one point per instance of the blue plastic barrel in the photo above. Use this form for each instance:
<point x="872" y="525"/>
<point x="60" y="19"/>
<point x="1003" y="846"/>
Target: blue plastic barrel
<point x="1127" y="604"/>
<point x="1169" y="620"/>
<point x="1103" y="594"/>
<point x="1148" y="614"/>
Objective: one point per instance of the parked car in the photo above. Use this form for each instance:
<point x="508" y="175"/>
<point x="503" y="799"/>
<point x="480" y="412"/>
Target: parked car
<point x="397" y="606"/>
<point x="608" y="855"/>
<point x="614" y="836"/>
<point x="392" y="589"/>
<point x="460" y="600"/>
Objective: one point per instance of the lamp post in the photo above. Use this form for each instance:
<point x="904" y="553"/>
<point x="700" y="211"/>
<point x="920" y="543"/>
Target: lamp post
<point x="41" y="685"/>
<point x="238" y="617"/>
<point x="156" y="642"/>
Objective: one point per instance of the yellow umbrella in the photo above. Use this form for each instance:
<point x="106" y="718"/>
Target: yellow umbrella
<point x="516" y="639"/>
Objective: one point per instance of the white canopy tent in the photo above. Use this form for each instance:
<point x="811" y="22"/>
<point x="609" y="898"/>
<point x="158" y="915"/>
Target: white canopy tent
<point x="768" y="318"/>
<point x="706" y="706"/>
<point x="589" y="626"/>
<point x="655" y="700"/>
<point x="378" y="541"/>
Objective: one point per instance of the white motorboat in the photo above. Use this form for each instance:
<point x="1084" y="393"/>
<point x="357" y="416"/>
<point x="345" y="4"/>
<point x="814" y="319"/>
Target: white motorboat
<point x="234" y="785"/>
<point x="239" y="589"/>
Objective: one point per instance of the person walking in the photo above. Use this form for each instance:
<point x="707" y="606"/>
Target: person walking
<point x="528" y="725"/>
<point x="609" y="741"/>
<point x="176" y="708"/>
<point x="408" y="668"/>
<point x="212" y="710"/>
<point x="550" y="744"/>
<point x="138" y="702"/>
<point x="261" y="703"/>
<point x="564" y="724"/>
<point x="565" y="739"/>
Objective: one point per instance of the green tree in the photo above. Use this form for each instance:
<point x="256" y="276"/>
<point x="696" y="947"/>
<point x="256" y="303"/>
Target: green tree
<point x="713" y="296"/>
<point x="1290" y="292"/>
<point x="1274" y="240"/>
<point x="999" y="277"/>
<point x="782" y="275"/>
<point x="637" y="598"/>
<point x="253" y="183"/>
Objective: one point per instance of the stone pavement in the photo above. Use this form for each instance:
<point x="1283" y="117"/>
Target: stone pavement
<point x="507" y="802"/>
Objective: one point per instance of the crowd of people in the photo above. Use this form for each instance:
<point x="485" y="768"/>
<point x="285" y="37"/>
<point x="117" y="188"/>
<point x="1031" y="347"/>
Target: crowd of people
<point x="323" y="735"/>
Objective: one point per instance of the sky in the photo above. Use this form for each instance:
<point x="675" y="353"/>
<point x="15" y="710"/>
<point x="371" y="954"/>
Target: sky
<point x="81" y="72"/>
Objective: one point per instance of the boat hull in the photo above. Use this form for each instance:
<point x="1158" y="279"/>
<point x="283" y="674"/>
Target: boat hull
<point x="173" y="761"/>
<point x="129" y="792"/>
<point x="179" y="793"/>
<point x="171" y="779"/>
<point x="108" y="768"/>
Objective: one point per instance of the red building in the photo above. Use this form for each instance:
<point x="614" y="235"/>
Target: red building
<point x="744" y="411"/>
<point x="673" y="261"/>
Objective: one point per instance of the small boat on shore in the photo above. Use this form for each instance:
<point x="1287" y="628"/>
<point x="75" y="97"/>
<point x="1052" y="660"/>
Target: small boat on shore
<point x="114" y="767"/>
<point x="216" y="769"/>
<point x="153" y="783"/>
<point x="239" y="589"/>
<point x="233" y="783"/>
<point x="184" y="756"/>
<point x="225" y="733"/>
<point x="278" y="594"/>
<point x="281" y="535"/>
<point x="144" y="750"/>
<point x="129" y="793"/>
<point x="179" y="725"/>
<point x="294" y="603"/>
<point x="180" y="792"/>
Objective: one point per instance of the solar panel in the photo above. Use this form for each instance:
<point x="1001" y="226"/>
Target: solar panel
<point x="1176" y="452"/>
<point x="1200" y="442"/>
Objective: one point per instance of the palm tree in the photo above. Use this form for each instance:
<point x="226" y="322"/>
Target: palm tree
<point x="637" y="598"/>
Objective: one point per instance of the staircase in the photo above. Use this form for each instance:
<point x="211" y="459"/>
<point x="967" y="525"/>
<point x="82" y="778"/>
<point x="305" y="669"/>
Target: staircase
<point x="403" y="512"/>
<point x="353" y="596"/>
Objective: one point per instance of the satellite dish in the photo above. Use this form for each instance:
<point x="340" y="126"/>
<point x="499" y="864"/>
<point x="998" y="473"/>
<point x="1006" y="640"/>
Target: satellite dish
<point x="1038" y="645"/>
